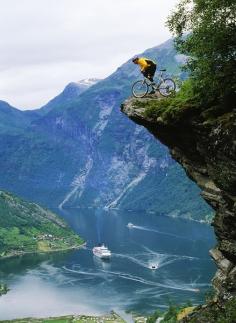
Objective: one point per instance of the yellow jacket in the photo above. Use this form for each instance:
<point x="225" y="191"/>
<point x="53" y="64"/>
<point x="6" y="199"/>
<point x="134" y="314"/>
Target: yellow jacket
<point x="144" y="63"/>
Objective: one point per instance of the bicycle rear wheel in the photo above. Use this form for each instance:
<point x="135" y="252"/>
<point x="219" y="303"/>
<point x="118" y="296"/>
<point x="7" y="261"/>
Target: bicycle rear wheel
<point x="139" y="89"/>
<point x="167" y="87"/>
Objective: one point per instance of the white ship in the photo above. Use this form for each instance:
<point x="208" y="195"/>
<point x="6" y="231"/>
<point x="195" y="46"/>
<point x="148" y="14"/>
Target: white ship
<point x="130" y="225"/>
<point x="102" y="252"/>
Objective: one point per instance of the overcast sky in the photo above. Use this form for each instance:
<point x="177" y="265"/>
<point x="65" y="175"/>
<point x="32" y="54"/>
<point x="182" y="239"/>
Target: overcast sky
<point x="45" y="44"/>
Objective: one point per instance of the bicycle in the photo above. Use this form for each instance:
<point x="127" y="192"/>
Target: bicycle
<point x="165" y="86"/>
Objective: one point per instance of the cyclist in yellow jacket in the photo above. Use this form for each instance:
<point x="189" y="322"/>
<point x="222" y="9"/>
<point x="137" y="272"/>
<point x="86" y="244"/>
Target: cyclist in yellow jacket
<point x="147" y="66"/>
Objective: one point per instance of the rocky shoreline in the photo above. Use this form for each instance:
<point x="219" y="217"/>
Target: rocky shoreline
<point x="108" y="318"/>
<point x="22" y="253"/>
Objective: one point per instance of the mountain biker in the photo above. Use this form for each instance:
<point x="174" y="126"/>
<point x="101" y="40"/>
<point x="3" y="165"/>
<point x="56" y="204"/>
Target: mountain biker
<point x="148" y="68"/>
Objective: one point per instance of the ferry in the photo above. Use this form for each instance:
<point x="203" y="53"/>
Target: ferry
<point x="130" y="225"/>
<point x="102" y="252"/>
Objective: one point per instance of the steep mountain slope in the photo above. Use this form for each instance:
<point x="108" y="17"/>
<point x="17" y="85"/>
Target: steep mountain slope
<point x="13" y="120"/>
<point x="27" y="227"/>
<point x="70" y="93"/>
<point x="86" y="153"/>
<point x="204" y="144"/>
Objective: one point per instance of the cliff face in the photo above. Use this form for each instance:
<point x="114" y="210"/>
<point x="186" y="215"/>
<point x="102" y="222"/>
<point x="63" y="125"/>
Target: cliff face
<point x="204" y="143"/>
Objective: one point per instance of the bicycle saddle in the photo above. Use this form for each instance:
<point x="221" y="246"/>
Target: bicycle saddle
<point x="163" y="70"/>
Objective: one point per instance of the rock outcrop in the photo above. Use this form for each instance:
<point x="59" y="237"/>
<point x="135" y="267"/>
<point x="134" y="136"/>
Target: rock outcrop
<point x="204" y="143"/>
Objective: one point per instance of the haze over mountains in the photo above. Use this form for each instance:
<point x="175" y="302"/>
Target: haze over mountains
<point x="79" y="150"/>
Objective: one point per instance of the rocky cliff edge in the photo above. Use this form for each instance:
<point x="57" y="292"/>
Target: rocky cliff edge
<point x="204" y="143"/>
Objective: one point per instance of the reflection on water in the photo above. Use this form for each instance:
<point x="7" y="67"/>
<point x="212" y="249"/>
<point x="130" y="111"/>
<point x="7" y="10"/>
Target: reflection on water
<point x="78" y="282"/>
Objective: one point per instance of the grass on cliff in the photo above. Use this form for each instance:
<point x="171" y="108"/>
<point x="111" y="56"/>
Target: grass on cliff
<point x="212" y="313"/>
<point x="174" y="313"/>
<point x="173" y="108"/>
<point x="183" y="105"/>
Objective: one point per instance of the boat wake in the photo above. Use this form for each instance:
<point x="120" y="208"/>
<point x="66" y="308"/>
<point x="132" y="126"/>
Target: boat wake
<point x="152" y="258"/>
<point x="92" y="274"/>
<point x="105" y="278"/>
<point x="179" y="257"/>
<point x="138" y="227"/>
<point x="148" y="260"/>
<point x="168" y="284"/>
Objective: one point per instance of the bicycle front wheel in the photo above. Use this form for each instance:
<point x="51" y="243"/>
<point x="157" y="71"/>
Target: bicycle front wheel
<point x="139" y="89"/>
<point x="167" y="87"/>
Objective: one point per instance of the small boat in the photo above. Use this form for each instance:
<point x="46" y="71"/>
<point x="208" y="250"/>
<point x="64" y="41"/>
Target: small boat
<point x="153" y="267"/>
<point x="102" y="252"/>
<point x="130" y="225"/>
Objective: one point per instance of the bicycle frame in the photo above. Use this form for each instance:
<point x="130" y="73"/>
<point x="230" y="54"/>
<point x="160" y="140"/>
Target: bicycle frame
<point x="154" y="84"/>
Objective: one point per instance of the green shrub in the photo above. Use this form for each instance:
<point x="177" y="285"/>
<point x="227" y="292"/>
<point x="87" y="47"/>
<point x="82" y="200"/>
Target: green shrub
<point x="173" y="108"/>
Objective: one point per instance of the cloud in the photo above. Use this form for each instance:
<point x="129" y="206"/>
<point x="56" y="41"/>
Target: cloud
<point x="45" y="44"/>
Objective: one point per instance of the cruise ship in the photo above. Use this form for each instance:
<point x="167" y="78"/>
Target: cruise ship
<point x="102" y="252"/>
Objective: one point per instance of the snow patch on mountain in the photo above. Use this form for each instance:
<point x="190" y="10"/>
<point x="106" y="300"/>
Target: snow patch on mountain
<point x="88" y="82"/>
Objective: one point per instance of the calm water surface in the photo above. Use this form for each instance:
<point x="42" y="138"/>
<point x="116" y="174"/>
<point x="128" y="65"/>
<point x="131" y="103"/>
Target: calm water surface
<point x="77" y="282"/>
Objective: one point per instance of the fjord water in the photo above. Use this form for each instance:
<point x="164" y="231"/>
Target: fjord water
<point x="78" y="282"/>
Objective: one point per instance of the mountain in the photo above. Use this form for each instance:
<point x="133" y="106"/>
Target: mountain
<point x="84" y="152"/>
<point x="13" y="120"/>
<point x="70" y="93"/>
<point x="27" y="227"/>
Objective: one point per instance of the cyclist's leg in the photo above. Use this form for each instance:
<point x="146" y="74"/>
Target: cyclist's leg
<point x="145" y="73"/>
<point x="152" y="70"/>
<point x="149" y="73"/>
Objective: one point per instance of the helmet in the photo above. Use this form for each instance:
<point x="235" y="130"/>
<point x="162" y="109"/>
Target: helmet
<point x="135" y="59"/>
